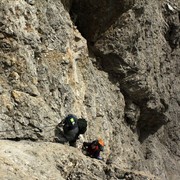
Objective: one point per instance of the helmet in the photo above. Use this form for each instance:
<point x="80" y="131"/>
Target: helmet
<point x="101" y="142"/>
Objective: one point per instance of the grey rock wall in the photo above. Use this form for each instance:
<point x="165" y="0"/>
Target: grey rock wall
<point x="123" y="78"/>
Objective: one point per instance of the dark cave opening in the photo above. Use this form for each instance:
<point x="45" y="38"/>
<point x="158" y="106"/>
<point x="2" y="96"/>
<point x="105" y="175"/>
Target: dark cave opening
<point x="92" y="17"/>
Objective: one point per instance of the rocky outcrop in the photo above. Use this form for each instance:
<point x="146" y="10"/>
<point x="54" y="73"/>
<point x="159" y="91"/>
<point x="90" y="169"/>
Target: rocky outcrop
<point x="49" y="161"/>
<point x="123" y="78"/>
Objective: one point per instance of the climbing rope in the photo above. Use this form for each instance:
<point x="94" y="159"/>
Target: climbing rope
<point x="26" y="129"/>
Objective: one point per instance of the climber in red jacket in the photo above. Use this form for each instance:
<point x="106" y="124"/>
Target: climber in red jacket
<point x="94" y="148"/>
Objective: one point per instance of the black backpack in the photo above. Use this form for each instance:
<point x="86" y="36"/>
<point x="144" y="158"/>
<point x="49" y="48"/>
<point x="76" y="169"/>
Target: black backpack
<point x="70" y="122"/>
<point x="82" y="125"/>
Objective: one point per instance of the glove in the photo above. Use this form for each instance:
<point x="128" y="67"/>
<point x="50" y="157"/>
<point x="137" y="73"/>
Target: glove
<point x="61" y="123"/>
<point x="99" y="158"/>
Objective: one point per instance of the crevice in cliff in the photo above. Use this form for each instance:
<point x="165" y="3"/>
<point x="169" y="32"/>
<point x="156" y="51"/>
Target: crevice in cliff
<point x="92" y="17"/>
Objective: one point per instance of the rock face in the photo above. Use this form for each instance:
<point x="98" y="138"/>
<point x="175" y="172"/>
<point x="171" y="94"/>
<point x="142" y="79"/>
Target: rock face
<point x="122" y="76"/>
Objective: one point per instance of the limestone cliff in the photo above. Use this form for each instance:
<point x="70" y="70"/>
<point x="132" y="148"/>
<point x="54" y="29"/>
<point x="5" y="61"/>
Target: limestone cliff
<point x="115" y="63"/>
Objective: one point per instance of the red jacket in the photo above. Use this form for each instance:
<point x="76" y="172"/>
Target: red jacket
<point x="92" y="150"/>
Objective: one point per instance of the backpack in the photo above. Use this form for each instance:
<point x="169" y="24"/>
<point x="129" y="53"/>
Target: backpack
<point x="82" y="125"/>
<point x="70" y="122"/>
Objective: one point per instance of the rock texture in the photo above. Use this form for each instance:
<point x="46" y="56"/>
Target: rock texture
<point x="27" y="160"/>
<point x="121" y="74"/>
